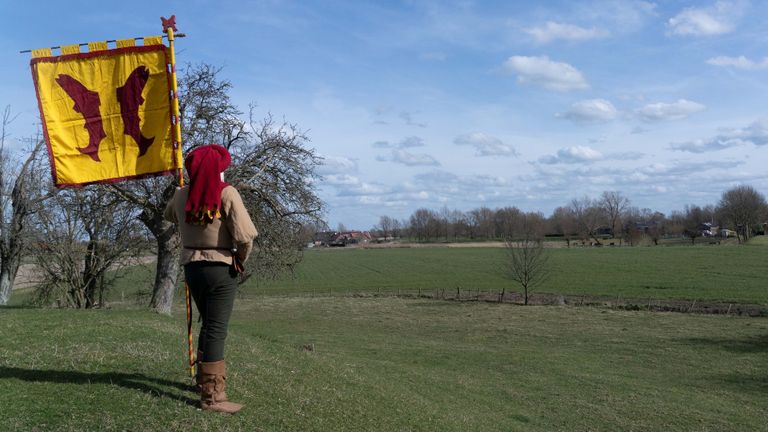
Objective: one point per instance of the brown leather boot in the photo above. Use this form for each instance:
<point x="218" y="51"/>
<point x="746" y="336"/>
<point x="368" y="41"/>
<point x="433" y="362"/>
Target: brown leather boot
<point x="213" y="381"/>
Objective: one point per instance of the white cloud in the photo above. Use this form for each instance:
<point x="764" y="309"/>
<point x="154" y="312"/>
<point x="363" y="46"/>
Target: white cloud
<point x="407" y="142"/>
<point x="590" y="110"/>
<point x="625" y="156"/>
<point x="739" y="62"/>
<point x="363" y="188"/>
<point x="705" y="146"/>
<point x="340" y="180"/>
<point x="683" y="178"/>
<point x="379" y="201"/>
<point x="554" y="30"/>
<point x="408" y="119"/>
<point x="755" y="134"/>
<point x="412" y="141"/>
<point x="572" y="155"/>
<point x="669" y="111"/>
<point x="717" y="19"/>
<point x="485" y="145"/>
<point x="336" y="165"/>
<point x="399" y="155"/>
<point x="544" y="72"/>
<point x="409" y="159"/>
<point x="687" y="169"/>
<point x="459" y="187"/>
<point x="621" y="16"/>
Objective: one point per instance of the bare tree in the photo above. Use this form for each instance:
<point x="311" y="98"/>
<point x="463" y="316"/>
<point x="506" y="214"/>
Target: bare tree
<point x="690" y="221"/>
<point x="743" y="206"/>
<point x="271" y="166"/>
<point x="398" y="227"/>
<point x="458" y="221"/>
<point x="387" y="226"/>
<point x="20" y="194"/>
<point x="656" y="227"/>
<point x="589" y="216"/>
<point x="444" y="225"/>
<point x="527" y="259"/>
<point x="564" y="223"/>
<point x="274" y="171"/>
<point x="633" y="225"/>
<point x="485" y="223"/>
<point x="84" y="237"/>
<point x="420" y="223"/>
<point x="507" y="221"/>
<point x="614" y="205"/>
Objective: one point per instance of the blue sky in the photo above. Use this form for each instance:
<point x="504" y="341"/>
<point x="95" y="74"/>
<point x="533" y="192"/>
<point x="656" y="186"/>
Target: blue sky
<point x="466" y="104"/>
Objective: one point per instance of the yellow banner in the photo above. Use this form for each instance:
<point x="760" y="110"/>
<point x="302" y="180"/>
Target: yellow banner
<point x="153" y="40"/>
<point x="106" y="115"/>
<point x="70" y="49"/>
<point x="125" y="43"/>
<point x="42" y="52"/>
<point x="97" y="46"/>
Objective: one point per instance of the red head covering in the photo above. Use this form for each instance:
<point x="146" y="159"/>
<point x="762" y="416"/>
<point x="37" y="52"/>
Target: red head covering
<point x="204" y="166"/>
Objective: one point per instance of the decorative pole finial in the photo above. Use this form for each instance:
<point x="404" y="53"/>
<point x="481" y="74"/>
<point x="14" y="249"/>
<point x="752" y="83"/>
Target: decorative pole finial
<point x="169" y="23"/>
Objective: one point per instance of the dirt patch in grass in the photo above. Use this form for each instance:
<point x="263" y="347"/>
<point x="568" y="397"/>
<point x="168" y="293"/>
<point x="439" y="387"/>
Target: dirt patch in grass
<point x="652" y="305"/>
<point x="29" y="275"/>
<point x="406" y="245"/>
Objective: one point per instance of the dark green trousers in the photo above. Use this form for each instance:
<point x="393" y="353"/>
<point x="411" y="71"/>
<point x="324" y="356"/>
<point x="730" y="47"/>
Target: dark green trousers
<point x="213" y="286"/>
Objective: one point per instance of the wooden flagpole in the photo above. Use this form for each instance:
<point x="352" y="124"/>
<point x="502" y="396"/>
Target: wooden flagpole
<point x="169" y="27"/>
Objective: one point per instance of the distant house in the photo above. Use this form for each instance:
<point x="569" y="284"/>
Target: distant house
<point x="323" y="238"/>
<point x="726" y="233"/>
<point x="604" y="232"/>
<point x="351" y="237"/>
<point x="708" y="229"/>
<point x="341" y="239"/>
<point x="642" y="226"/>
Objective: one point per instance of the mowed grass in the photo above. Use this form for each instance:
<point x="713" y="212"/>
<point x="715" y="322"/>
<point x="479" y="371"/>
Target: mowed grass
<point x="389" y="364"/>
<point x="713" y="273"/>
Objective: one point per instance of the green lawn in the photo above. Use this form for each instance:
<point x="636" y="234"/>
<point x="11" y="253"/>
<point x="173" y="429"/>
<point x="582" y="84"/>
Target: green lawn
<point x="705" y="273"/>
<point x="714" y="273"/>
<point x="388" y="364"/>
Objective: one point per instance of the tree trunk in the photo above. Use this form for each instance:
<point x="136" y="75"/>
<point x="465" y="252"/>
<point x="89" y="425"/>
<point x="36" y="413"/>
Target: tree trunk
<point x="167" y="268"/>
<point x="8" y="269"/>
<point x="89" y="275"/>
<point x="166" y="273"/>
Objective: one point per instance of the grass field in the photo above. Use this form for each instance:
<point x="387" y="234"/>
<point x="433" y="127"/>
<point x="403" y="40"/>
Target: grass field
<point x="388" y="364"/>
<point x="395" y="364"/>
<point x="704" y="273"/>
<point x="714" y="273"/>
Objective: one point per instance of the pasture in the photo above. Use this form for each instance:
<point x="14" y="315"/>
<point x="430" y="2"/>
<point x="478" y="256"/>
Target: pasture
<point x="306" y="355"/>
<point x="710" y="273"/>
<point x="385" y="364"/>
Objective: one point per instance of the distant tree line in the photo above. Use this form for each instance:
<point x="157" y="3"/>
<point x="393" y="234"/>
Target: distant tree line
<point x="741" y="210"/>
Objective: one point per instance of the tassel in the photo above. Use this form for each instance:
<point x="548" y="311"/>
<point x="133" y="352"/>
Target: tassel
<point x="203" y="216"/>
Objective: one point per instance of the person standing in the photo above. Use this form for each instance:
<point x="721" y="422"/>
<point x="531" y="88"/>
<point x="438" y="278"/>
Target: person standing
<point x="216" y="236"/>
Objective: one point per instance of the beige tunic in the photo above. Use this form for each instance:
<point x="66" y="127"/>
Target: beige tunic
<point x="214" y="241"/>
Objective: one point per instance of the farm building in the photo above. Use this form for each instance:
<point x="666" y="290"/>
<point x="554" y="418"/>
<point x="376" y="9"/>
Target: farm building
<point x="340" y="239"/>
